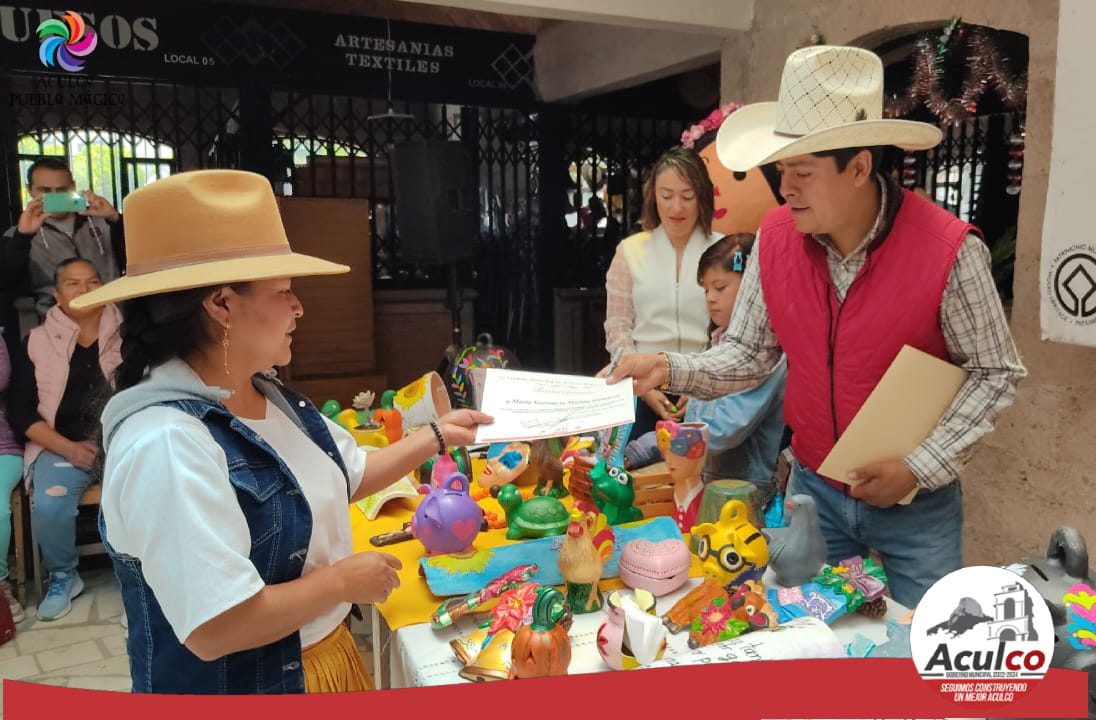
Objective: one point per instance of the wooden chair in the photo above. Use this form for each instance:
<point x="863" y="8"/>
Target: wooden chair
<point x="91" y="496"/>
<point x="20" y="525"/>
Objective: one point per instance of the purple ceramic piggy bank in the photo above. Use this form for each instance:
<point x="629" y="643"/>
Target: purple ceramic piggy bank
<point x="447" y="519"/>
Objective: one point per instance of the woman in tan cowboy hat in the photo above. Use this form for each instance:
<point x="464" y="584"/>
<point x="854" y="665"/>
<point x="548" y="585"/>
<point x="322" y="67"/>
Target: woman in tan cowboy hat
<point x="844" y="275"/>
<point x="225" y="494"/>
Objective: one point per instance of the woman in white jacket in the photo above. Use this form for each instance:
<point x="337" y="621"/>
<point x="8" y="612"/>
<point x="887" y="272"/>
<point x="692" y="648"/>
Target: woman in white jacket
<point x="652" y="303"/>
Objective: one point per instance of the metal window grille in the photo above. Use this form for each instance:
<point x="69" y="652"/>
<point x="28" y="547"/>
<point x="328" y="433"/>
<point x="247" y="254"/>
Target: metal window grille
<point x="117" y="135"/>
<point x="607" y="158"/>
<point x="954" y="173"/>
<point x="312" y="144"/>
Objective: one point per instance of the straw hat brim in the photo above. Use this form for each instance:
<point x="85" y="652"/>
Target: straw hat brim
<point x="215" y="272"/>
<point x="747" y="137"/>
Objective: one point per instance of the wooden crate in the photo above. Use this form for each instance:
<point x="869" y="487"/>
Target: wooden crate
<point x="654" y="490"/>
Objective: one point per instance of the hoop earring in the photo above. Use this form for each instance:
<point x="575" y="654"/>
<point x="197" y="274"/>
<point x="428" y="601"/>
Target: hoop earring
<point x="225" y="345"/>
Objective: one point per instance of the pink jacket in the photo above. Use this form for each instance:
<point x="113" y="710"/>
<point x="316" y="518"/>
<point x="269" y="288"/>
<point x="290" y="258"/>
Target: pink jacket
<point x="838" y="351"/>
<point x="50" y="347"/>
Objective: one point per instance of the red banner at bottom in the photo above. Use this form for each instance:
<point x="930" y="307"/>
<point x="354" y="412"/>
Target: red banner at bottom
<point x="880" y="688"/>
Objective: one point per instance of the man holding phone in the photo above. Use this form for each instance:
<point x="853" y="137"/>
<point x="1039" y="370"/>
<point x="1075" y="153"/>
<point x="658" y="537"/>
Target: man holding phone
<point x="56" y="225"/>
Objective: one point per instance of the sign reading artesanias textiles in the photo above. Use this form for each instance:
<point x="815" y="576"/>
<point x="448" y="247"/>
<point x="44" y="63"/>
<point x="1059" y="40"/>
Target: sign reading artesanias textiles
<point x="342" y="54"/>
<point x="1068" y="268"/>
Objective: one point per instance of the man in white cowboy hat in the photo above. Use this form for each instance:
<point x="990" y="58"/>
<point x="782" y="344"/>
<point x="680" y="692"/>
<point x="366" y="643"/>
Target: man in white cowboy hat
<point x="847" y="272"/>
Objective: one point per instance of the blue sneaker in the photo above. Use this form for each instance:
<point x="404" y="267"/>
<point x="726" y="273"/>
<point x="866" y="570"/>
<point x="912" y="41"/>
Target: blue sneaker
<point x="63" y="587"/>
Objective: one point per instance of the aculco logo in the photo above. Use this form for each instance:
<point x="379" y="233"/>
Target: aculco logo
<point x="981" y="635"/>
<point x="996" y="660"/>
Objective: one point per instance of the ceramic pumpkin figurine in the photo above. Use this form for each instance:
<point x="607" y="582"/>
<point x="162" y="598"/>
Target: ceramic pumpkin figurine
<point x="389" y="417"/>
<point x="542" y="649"/>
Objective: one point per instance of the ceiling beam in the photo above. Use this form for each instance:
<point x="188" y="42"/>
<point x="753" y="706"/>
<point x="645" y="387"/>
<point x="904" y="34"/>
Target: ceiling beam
<point x="708" y="17"/>
<point x="576" y="60"/>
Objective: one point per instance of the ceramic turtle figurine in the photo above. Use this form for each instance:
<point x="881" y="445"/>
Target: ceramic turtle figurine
<point x="536" y="517"/>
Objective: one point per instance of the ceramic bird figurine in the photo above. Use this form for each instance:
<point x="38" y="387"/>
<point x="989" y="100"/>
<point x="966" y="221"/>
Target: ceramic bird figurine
<point x="586" y="548"/>
<point x="796" y="552"/>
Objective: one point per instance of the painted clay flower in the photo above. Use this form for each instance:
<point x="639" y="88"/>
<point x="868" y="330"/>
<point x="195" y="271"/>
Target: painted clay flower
<point x="713" y="619"/>
<point x="514" y="607"/>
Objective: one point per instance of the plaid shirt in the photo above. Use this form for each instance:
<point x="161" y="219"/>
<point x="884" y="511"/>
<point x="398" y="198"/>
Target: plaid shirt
<point x="620" y="312"/>
<point x="971" y="318"/>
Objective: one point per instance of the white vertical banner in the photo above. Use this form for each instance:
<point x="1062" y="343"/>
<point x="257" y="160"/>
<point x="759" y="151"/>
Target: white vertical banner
<point x="1067" y="308"/>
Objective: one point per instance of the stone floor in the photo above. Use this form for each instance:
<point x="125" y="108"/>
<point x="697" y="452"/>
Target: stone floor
<point x="86" y="648"/>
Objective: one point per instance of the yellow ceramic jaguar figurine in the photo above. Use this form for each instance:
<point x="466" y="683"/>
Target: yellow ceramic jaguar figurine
<point x="731" y="550"/>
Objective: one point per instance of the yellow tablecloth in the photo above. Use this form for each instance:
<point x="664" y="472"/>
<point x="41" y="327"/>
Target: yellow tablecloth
<point x="412" y="602"/>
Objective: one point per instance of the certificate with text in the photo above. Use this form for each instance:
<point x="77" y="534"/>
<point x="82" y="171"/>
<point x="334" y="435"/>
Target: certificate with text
<point x="531" y="406"/>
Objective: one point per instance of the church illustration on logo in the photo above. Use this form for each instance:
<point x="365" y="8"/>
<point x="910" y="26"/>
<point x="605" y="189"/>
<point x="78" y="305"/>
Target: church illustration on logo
<point x="1013" y="616"/>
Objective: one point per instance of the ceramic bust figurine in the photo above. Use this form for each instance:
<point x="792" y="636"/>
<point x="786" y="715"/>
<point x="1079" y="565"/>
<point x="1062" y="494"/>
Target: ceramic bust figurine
<point x="741" y="199"/>
<point x="684" y="447"/>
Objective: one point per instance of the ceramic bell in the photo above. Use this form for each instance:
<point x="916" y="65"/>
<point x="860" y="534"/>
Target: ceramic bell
<point x="493" y="661"/>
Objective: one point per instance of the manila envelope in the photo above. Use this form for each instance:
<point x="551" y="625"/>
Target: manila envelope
<point x="902" y="410"/>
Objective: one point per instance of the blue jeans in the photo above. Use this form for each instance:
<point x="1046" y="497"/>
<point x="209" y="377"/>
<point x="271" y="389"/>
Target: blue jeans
<point x="918" y="543"/>
<point x="58" y="486"/>
<point x="11" y="473"/>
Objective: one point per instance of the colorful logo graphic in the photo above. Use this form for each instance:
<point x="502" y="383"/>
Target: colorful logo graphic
<point x="64" y="42"/>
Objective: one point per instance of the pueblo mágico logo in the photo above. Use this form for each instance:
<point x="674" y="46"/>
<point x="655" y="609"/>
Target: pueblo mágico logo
<point x="66" y="42"/>
<point x="982" y="636"/>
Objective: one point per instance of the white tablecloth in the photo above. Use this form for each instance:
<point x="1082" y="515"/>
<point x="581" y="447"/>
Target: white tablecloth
<point x="422" y="656"/>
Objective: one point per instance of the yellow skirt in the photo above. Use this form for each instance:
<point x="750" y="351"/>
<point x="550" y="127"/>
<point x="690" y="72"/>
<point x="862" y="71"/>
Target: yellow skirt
<point x="335" y="665"/>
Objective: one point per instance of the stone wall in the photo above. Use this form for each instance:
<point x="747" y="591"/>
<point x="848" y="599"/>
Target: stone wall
<point x="1036" y="471"/>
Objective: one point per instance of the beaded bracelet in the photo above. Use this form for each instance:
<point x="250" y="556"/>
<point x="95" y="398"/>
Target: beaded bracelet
<point x="439" y="436"/>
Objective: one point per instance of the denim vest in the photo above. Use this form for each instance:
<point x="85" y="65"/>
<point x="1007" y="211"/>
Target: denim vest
<point x="280" y="524"/>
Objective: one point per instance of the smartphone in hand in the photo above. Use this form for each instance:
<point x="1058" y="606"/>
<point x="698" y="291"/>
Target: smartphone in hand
<point x="64" y="202"/>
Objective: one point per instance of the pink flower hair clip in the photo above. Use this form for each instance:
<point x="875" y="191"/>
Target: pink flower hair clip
<point x="712" y="122"/>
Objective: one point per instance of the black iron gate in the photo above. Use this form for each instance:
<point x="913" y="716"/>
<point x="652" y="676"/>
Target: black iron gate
<point x="607" y="158"/>
<point x="582" y="171"/>
<point x="116" y="134"/>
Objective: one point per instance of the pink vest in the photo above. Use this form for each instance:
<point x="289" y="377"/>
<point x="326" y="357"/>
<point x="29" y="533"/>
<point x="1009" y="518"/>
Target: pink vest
<point x="838" y="351"/>
<point x="50" y="347"/>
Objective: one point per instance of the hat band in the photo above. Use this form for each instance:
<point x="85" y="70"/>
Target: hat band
<point x="146" y="268"/>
